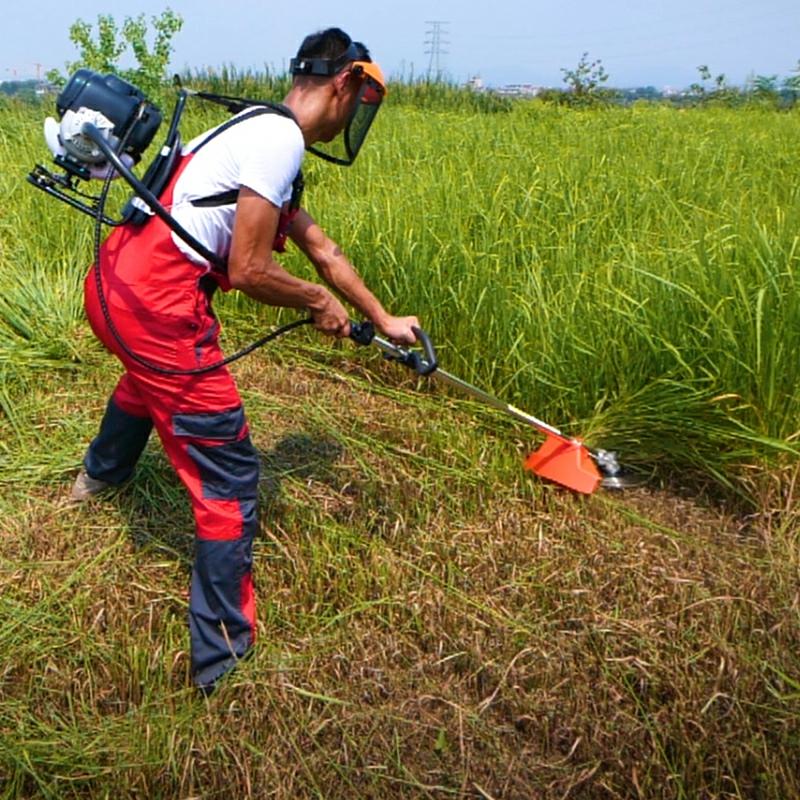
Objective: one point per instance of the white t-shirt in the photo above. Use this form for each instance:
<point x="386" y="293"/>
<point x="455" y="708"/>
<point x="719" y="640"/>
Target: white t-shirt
<point x="263" y="153"/>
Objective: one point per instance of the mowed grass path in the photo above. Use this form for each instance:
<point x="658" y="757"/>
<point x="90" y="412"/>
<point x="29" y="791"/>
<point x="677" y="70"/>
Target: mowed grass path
<point x="432" y="621"/>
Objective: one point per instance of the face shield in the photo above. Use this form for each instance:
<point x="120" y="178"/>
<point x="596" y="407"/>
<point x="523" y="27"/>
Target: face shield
<point x="344" y="148"/>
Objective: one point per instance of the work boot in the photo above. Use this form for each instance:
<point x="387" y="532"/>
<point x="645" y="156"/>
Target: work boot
<point x="86" y="486"/>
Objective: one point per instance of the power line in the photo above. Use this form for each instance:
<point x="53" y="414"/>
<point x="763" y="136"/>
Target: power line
<point x="436" y="42"/>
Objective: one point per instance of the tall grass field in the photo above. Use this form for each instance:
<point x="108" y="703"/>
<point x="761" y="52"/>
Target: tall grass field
<point x="433" y="622"/>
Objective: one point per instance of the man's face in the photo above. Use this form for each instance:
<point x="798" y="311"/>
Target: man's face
<point x="343" y="103"/>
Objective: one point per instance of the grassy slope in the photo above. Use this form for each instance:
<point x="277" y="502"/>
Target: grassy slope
<point x="433" y="622"/>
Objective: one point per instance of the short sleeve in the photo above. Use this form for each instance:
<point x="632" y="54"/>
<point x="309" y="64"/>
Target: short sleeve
<point x="272" y="155"/>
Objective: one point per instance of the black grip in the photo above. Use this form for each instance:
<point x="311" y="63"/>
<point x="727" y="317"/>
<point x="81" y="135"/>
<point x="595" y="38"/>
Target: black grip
<point x="362" y="332"/>
<point x="431" y="363"/>
<point x="424" y="363"/>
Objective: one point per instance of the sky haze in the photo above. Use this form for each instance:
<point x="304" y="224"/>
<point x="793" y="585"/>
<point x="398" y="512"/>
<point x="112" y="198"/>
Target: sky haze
<point x="512" y="41"/>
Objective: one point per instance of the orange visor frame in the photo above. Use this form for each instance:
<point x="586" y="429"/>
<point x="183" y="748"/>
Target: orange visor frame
<point x="373" y="79"/>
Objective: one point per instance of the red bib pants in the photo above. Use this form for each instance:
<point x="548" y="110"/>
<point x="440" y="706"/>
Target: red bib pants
<point x="159" y="302"/>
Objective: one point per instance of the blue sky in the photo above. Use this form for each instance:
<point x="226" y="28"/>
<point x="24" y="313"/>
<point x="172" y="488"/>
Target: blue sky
<point x="507" y="41"/>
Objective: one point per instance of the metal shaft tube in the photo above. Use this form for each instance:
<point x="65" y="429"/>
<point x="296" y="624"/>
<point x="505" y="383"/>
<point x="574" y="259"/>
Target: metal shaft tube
<point x="479" y="394"/>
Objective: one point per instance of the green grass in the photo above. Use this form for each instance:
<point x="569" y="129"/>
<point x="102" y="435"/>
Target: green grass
<point x="631" y="270"/>
<point x="630" y="274"/>
<point x="433" y="622"/>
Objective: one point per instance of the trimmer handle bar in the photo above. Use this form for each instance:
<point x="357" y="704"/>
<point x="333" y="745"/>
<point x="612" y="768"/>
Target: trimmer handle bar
<point x="424" y="363"/>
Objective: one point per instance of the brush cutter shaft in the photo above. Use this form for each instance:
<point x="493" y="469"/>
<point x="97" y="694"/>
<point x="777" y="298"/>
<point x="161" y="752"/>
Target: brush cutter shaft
<point x="396" y="351"/>
<point x="561" y="459"/>
<point x="512" y="411"/>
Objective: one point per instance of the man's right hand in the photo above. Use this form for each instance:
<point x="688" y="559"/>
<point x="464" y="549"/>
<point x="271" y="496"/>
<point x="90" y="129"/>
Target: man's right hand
<point x="329" y="315"/>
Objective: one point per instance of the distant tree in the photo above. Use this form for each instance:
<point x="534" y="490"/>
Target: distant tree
<point x="101" y="55"/>
<point x="640" y="94"/>
<point x="791" y="84"/>
<point x="713" y="88"/>
<point x="764" y="89"/>
<point x="103" y="51"/>
<point x="584" y="82"/>
<point x="153" y="61"/>
<point x="22" y="90"/>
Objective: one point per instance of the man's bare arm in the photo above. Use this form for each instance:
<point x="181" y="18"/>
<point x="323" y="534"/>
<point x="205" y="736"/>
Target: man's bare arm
<point x="336" y="270"/>
<point x="253" y="270"/>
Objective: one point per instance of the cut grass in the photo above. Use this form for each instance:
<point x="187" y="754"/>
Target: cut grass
<point x="419" y="635"/>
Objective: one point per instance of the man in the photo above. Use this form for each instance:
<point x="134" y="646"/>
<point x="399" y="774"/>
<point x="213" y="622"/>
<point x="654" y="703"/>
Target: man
<point x="235" y="190"/>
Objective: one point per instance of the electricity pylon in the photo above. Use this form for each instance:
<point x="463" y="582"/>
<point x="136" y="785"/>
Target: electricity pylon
<point x="435" y="42"/>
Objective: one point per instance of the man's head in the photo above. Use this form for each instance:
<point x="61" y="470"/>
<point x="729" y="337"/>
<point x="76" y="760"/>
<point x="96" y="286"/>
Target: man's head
<point x="326" y="53"/>
<point x="341" y="71"/>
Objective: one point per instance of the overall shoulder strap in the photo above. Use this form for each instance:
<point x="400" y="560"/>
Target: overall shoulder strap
<point x="229" y="197"/>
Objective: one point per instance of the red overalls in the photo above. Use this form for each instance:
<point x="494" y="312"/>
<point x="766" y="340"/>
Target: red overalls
<point x="161" y="308"/>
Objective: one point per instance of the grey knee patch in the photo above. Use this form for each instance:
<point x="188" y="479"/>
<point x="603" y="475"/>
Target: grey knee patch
<point x="226" y="460"/>
<point x="228" y="471"/>
<point x="216" y="425"/>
